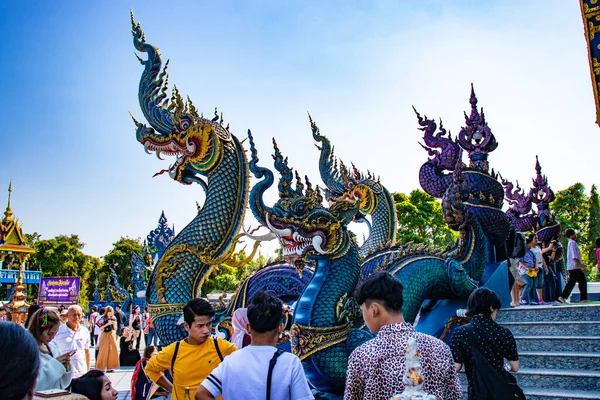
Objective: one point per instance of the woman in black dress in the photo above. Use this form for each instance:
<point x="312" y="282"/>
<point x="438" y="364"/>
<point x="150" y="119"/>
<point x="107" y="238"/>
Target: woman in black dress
<point x="129" y="356"/>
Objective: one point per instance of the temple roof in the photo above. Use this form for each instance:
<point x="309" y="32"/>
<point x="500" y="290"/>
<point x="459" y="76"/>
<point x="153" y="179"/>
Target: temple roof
<point x="11" y="235"/>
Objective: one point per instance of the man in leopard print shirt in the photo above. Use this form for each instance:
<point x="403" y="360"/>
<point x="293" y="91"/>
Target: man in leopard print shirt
<point x="376" y="368"/>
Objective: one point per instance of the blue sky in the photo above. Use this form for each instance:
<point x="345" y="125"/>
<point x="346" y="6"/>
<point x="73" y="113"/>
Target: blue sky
<point x="68" y="77"/>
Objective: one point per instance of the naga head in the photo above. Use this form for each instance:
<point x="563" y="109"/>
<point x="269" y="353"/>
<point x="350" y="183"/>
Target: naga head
<point x="520" y="203"/>
<point x="448" y="154"/>
<point x="305" y="228"/>
<point x="176" y="129"/>
<point x="343" y="183"/>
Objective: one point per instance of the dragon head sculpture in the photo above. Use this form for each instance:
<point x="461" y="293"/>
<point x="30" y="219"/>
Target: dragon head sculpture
<point x="343" y="184"/>
<point x="520" y="203"/>
<point x="305" y="228"/>
<point x="176" y="129"/>
<point x="449" y="151"/>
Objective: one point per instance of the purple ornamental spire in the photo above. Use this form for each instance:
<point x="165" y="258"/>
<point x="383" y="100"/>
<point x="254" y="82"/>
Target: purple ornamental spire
<point x="542" y="195"/>
<point x="520" y="213"/>
<point x="477" y="137"/>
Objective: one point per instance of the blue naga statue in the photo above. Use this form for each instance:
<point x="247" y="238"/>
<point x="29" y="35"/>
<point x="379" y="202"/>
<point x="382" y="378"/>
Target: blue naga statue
<point x="121" y="292"/>
<point x="202" y="147"/>
<point x="326" y="325"/>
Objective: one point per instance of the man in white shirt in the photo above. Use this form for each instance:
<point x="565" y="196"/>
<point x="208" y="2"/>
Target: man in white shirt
<point x="74" y="336"/>
<point x="575" y="269"/>
<point x="247" y="373"/>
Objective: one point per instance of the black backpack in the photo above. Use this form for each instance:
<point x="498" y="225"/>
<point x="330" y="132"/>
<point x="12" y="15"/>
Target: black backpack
<point x="516" y="244"/>
<point x="487" y="383"/>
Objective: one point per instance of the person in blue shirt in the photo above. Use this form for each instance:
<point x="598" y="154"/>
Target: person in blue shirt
<point x="529" y="272"/>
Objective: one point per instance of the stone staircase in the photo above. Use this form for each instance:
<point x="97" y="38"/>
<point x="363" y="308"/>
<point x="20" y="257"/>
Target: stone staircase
<point x="559" y="350"/>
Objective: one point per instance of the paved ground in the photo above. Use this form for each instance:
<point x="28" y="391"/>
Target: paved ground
<point x="121" y="378"/>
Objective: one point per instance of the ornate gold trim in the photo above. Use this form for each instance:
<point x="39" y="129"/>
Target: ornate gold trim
<point x="308" y="340"/>
<point x="589" y="13"/>
<point x="160" y="310"/>
<point x="467" y="202"/>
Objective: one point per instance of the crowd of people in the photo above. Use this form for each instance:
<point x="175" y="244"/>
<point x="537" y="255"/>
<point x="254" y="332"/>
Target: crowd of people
<point x="536" y="277"/>
<point x="63" y="338"/>
<point x="54" y="350"/>
<point x="202" y="366"/>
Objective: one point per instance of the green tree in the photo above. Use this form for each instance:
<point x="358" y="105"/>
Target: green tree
<point x="420" y="219"/>
<point x="32" y="238"/>
<point x="592" y="232"/>
<point x="225" y="278"/>
<point x="222" y="278"/>
<point x="574" y="209"/>
<point x="571" y="210"/>
<point x="120" y="257"/>
<point x="570" y="207"/>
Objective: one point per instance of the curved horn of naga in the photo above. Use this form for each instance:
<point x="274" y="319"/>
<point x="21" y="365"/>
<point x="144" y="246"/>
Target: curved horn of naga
<point x="152" y="94"/>
<point x="327" y="166"/>
<point x="432" y="177"/>
<point x="257" y="205"/>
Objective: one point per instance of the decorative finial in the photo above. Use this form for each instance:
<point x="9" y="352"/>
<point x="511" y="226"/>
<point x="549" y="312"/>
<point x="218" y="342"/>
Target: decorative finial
<point x="8" y="213"/>
<point x="477" y="137"/>
<point x="541" y="193"/>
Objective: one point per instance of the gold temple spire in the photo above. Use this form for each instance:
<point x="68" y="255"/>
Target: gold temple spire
<point x="8" y="213"/>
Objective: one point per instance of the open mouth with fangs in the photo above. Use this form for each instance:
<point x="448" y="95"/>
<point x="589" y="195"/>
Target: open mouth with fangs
<point x="295" y="244"/>
<point x="172" y="149"/>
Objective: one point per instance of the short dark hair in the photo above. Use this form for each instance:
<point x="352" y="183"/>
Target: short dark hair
<point x="598" y="242"/>
<point x="384" y="288"/>
<point x="530" y="237"/>
<point x="94" y="308"/>
<point x="118" y="306"/>
<point x="196" y="308"/>
<point x="570" y="232"/>
<point x="19" y="361"/>
<point x="148" y="351"/>
<point x="90" y="385"/>
<point x="481" y="301"/>
<point x="265" y="312"/>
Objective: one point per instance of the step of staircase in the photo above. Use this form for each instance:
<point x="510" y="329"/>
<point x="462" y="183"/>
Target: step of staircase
<point x="559" y="343"/>
<point x="553" y="394"/>
<point x="560" y="360"/>
<point x="558" y="328"/>
<point x="569" y="312"/>
<point x="545" y="378"/>
<point x="559" y="350"/>
<point x="560" y="394"/>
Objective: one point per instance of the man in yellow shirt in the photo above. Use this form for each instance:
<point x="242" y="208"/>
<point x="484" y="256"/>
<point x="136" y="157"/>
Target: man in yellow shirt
<point x="193" y="359"/>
